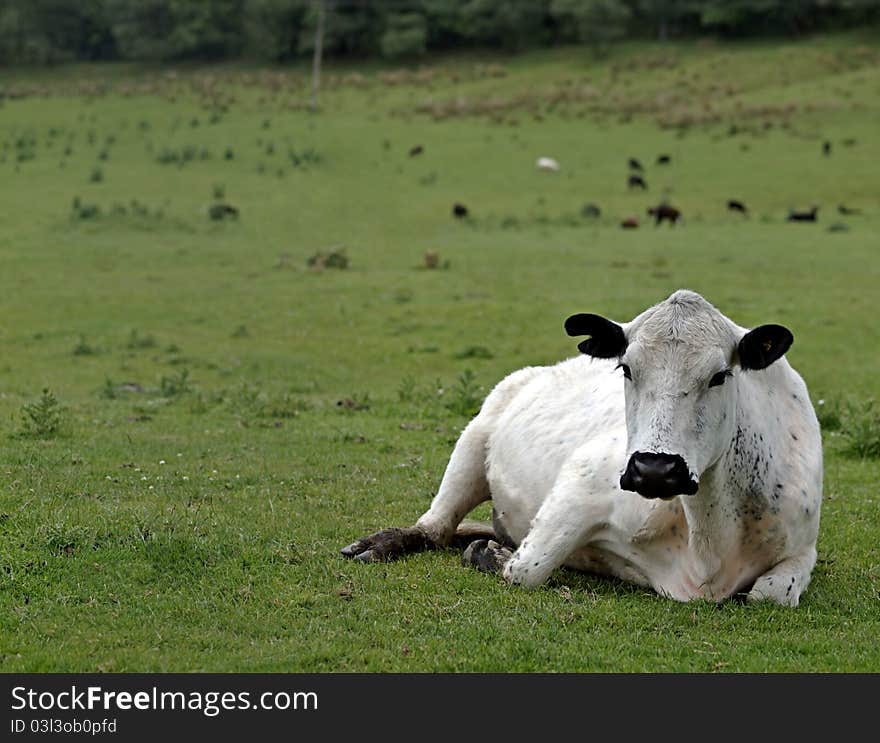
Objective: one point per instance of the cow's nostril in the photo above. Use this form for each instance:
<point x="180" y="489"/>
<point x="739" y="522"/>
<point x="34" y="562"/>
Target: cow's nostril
<point x="658" y="465"/>
<point x="654" y="467"/>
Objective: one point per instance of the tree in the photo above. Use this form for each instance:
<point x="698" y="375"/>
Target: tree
<point x="273" y="28"/>
<point x="50" y="31"/>
<point x="405" y="35"/>
<point x="513" y="24"/>
<point x="177" y="29"/>
<point x="594" y="22"/>
<point x="663" y="14"/>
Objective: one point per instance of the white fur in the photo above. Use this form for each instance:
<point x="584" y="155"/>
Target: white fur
<point x="550" y="444"/>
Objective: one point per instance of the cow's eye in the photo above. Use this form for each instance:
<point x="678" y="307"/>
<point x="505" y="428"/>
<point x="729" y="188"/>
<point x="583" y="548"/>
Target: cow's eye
<point x="626" y="372"/>
<point x="719" y="378"/>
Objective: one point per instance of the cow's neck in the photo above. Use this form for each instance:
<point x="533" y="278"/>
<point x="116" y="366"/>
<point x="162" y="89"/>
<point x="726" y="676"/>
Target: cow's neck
<point x="715" y="514"/>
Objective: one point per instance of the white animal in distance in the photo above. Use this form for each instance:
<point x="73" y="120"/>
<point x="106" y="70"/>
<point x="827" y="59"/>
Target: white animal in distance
<point x="547" y="163"/>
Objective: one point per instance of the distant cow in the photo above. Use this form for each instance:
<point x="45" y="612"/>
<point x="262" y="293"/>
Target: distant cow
<point x="635" y="164"/>
<point x="460" y="211"/>
<point x="808" y="216"/>
<point x="630" y="223"/>
<point x="663" y="160"/>
<point x="591" y="211"/>
<point x="737" y="206"/>
<point x="664" y="212"/>
<point x="417" y="150"/>
<point x="680" y="452"/>
<point x="547" y="163"/>
<point x="219" y="212"/>
<point x="636" y="181"/>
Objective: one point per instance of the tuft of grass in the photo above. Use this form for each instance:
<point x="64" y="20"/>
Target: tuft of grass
<point x="861" y="429"/>
<point x="830" y="414"/>
<point x="475" y="352"/>
<point x="43" y="418"/>
<point x="175" y="385"/>
<point x="138" y="342"/>
<point x="333" y="259"/>
<point x="465" y="397"/>
<point x="83" y="348"/>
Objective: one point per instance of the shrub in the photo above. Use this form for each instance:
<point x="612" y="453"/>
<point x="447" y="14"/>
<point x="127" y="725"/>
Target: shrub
<point x="861" y="429"/>
<point x="42" y="419"/>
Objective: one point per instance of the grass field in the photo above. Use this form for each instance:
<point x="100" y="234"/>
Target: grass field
<point x="229" y="416"/>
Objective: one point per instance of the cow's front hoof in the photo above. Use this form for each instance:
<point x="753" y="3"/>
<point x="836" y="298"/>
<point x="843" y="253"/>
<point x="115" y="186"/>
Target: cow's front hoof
<point x="388" y="544"/>
<point x="486" y="555"/>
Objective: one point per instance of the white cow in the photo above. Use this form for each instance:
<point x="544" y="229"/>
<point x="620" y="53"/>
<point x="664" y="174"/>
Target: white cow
<point x="680" y="452"/>
<point x="547" y="163"/>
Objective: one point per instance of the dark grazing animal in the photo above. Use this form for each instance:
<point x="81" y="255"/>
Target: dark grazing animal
<point x="635" y="164"/>
<point x="808" y="216"/>
<point x="664" y="212"/>
<point x="460" y="211"/>
<point x="663" y="160"/>
<point x="417" y="150"/>
<point x="591" y="211"/>
<point x="219" y="212"/>
<point x="636" y="181"/>
<point x="630" y="223"/>
<point x="737" y="206"/>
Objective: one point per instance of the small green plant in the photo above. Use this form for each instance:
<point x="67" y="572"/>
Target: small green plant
<point x="175" y="385"/>
<point x="96" y="176"/>
<point x="136" y="341"/>
<point x="830" y="414"/>
<point x="861" y="430"/>
<point x="108" y="391"/>
<point x="82" y="348"/>
<point x="406" y="392"/>
<point x="286" y="406"/>
<point x="42" y="419"/>
<point x="219" y="191"/>
<point x="475" y="352"/>
<point x="465" y="399"/>
<point x="333" y="259"/>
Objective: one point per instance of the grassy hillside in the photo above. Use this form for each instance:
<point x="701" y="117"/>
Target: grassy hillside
<point x="231" y="415"/>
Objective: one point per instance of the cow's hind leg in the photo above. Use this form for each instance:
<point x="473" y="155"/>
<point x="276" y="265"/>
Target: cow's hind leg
<point x="785" y="582"/>
<point x="463" y="488"/>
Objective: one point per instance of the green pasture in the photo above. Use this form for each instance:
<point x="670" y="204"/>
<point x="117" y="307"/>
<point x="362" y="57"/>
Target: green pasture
<point x="229" y="416"/>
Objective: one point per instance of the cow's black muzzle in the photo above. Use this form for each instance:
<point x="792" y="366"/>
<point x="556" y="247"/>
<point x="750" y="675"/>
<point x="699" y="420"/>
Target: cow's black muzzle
<point x="658" y="476"/>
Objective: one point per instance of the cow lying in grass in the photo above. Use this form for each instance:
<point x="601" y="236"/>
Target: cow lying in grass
<point x="679" y="452"/>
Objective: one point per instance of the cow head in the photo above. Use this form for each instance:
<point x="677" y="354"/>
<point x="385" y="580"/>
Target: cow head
<point x="680" y="360"/>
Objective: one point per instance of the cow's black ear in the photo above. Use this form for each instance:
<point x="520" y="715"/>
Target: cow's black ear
<point x="606" y="340"/>
<point x="762" y="346"/>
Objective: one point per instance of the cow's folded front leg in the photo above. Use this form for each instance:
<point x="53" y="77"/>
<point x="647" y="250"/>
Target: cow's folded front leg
<point x="786" y="581"/>
<point x="569" y="517"/>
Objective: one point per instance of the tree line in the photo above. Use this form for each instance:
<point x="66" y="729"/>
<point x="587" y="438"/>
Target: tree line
<point x="56" y="31"/>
